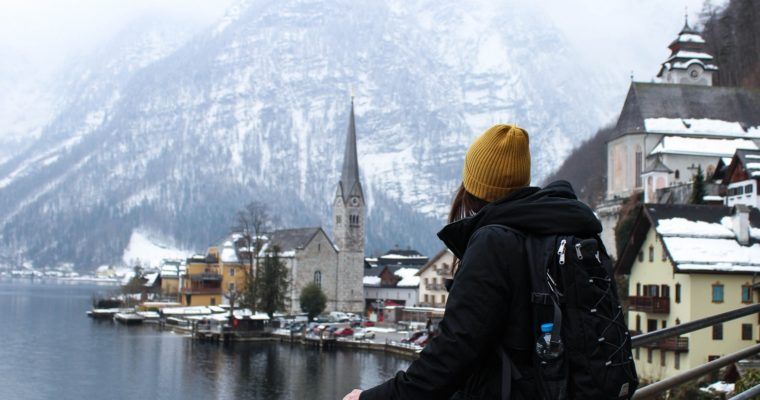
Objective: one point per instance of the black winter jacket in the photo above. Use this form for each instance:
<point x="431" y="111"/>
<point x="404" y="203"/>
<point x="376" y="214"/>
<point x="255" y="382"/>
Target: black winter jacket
<point x="489" y="301"/>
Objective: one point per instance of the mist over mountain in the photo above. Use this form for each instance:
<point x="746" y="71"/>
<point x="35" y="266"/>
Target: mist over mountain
<point x="172" y="131"/>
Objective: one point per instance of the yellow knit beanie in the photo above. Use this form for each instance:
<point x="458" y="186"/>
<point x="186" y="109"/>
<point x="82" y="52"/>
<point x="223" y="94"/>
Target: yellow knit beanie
<point x="497" y="163"/>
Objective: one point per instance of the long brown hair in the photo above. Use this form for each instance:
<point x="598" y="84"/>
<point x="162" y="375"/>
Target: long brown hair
<point x="464" y="205"/>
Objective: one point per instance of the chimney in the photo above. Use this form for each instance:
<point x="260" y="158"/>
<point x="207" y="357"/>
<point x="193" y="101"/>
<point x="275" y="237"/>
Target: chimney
<point x="740" y="223"/>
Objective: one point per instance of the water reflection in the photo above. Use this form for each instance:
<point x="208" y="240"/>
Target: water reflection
<point x="51" y="350"/>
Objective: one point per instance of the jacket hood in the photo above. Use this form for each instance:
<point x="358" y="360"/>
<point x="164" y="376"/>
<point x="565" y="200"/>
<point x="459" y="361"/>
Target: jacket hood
<point x="552" y="210"/>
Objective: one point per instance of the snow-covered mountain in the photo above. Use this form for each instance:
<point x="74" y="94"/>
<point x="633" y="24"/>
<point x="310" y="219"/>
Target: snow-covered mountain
<point x="172" y="135"/>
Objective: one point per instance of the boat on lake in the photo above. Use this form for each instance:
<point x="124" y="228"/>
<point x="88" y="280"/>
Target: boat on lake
<point x="128" y="318"/>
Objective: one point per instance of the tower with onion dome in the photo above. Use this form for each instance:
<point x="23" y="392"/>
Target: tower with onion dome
<point x="689" y="63"/>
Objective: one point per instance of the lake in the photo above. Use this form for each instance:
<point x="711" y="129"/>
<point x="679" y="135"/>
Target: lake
<point x="49" y="349"/>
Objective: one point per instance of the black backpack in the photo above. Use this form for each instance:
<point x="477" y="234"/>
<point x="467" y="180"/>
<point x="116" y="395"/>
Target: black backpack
<point x="589" y="353"/>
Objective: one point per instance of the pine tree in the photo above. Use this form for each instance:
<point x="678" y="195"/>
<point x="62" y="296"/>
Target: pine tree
<point x="698" y="191"/>
<point x="313" y="300"/>
<point x="272" y="283"/>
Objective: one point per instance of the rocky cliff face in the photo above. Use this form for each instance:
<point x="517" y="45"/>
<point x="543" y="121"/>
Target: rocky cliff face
<point x="171" y="133"/>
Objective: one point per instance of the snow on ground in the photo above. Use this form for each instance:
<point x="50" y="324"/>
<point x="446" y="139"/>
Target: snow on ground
<point x="149" y="251"/>
<point x="408" y="277"/>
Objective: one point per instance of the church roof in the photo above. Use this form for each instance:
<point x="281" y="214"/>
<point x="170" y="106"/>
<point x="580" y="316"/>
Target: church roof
<point x="290" y="240"/>
<point x="716" y="110"/>
<point x="687" y="48"/>
<point x="349" y="177"/>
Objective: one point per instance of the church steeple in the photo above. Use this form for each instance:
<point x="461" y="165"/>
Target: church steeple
<point x="349" y="178"/>
<point x="689" y="63"/>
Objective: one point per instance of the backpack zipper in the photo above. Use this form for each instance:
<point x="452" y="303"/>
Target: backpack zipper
<point x="561" y="252"/>
<point x="578" y="251"/>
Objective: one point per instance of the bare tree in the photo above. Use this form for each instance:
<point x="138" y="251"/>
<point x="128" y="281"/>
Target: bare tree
<point x="251" y="223"/>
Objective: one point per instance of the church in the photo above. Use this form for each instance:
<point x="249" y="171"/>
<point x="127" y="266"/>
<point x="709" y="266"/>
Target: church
<point x="669" y="128"/>
<point x="311" y="256"/>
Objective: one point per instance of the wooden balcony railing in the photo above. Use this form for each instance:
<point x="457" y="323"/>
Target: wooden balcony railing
<point x="202" y="290"/>
<point x="649" y="304"/>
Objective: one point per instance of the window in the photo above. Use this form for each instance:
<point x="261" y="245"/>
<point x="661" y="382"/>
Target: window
<point x="665" y="291"/>
<point x="641" y="256"/>
<point x="678" y="321"/>
<point x="746" y="331"/>
<point x="232" y="271"/>
<point x="651" y="325"/>
<point x="663" y="358"/>
<point x="717" y="293"/>
<point x="712" y="358"/>
<point x="443" y="298"/>
<point x="427" y="298"/>
<point x="638" y="323"/>
<point x="231" y="287"/>
<point x="664" y="324"/>
<point x="678" y="174"/>
<point x="318" y="278"/>
<point x="746" y="293"/>
<point x="717" y="332"/>
<point x="649" y="356"/>
<point x="677" y="360"/>
<point x="213" y="301"/>
<point x="337" y="220"/>
<point x="638" y="289"/>
<point x="319" y="247"/>
<point x="651" y="253"/>
<point x="664" y="254"/>
<point x="678" y="292"/>
<point x="426" y="281"/>
<point x="353" y="220"/>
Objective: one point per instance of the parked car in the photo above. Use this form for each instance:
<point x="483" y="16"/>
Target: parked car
<point x="368" y="323"/>
<point x="343" y="332"/>
<point x="362" y="334"/>
<point x="339" y="316"/>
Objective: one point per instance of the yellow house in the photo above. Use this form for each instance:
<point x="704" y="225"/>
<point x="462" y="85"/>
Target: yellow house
<point x="433" y="275"/>
<point x="202" y="284"/>
<point x="687" y="262"/>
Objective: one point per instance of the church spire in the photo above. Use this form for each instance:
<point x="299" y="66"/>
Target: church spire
<point x="350" y="174"/>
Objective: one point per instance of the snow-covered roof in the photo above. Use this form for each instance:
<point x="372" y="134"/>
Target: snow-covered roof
<point x="408" y="276"/>
<point x="371" y="281"/>
<point x="690" y="54"/>
<point x="699" y="126"/>
<point x="150" y="279"/>
<point x="690" y="37"/>
<point x="696" y="245"/>
<point x="229" y="254"/>
<point x="702" y="146"/>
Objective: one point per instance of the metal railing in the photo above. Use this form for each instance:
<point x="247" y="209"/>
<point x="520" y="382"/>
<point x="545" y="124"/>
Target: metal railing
<point x="659" y="336"/>
<point x="747" y="394"/>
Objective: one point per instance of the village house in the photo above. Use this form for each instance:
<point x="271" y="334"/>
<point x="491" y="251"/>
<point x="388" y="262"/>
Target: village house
<point x="687" y="262"/>
<point x="741" y="178"/>
<point x="433" y="276"/>
<point x="170" y="271"/>
<point x="669" y="128"/>
<point x="391" y="279"/>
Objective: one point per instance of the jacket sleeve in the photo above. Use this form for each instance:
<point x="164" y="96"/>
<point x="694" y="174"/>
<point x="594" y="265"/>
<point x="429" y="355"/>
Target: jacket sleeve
<point x="472" y="324"/>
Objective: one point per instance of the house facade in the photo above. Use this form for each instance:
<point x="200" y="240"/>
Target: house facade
<point x="742" y="179"/>
<point x="433" y="276"/>
<point x="687" y="262"/>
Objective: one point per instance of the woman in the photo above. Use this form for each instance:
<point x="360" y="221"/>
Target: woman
<point x="488" y="309"/>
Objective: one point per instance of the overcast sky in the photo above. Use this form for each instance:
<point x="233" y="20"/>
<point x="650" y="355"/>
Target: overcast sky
<point x="41" y="33"/>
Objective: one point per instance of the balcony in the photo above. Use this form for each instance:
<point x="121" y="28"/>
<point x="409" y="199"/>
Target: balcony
<point x="435" y="286"/>
<point x="649" y="304"/>
<point x="672" y="343"/>
<point x="202" y="290"/>
<point x="206" y="277"/>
